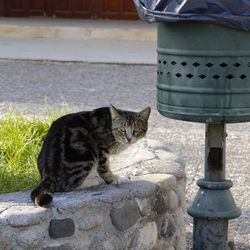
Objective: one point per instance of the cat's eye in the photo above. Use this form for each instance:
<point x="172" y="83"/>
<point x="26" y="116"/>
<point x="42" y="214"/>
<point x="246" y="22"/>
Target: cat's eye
<point x="137" y="130"/>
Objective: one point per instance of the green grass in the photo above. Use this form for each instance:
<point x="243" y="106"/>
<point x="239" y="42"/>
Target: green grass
<point x="20" y="143"/>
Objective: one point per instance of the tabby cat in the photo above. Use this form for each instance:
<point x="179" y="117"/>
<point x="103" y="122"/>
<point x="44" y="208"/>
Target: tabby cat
<point x="76" y="143"/>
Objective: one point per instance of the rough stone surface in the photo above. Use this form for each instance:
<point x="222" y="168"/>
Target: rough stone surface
<point x="147" y="236"/>
<point x="160" y="206"/>
<point x="19" y="216"/>
<point x="160" y="179"/>
<point x="173" y="202"/>
<point x="135" y="214"/>
<point x="104" y="241"/>
<point x="144" y="206"/>
<point x="31" y="238"/>
<point x="90" y="221"/>
<point x="125" y="216"/>
<point x="3" y="208"/>
<point x="66" y="246"/>
<point x="180" y="191"/>
<point x="5" y="245"/>
<point x="61" y="228"/>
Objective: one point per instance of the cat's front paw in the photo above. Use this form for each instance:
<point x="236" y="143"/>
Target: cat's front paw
<point x="118" y="180"/>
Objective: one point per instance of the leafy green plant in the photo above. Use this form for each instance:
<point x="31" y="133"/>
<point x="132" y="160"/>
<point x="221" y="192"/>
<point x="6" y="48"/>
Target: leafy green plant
<point x="21" y="139"/>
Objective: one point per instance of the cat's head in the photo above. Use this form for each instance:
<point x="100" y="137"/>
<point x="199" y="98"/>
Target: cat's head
<point x="127" y="126"/>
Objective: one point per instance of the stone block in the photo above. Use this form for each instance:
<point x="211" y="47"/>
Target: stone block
<point x="61" y="228"/>
<point x="179" y="217"/>
<point x="180" y="191"/>
<point x="173" y="201"/>
<point x="165" y="155"/>
<point x="88" y="222"/>
<point x="104" y="241"/>
<point x="144" y="206"/>
<point x="22" y="216"/>
<point x="172" y="248"/>
<point x="160" y="205"/>
<point x="138" y="188"/>
<point x="168" y="230"/>
<point x="125" y="216"/>
<point x="30" y="239"/>
<point x="163" y="227"/>
<point x="147" y="236"/>
<point x="180" y="243"/>
<point x="166" y="181"/>
<point x="136" y="153"/>
<point x="156" y="144"/>
<point x="3" y="208"/>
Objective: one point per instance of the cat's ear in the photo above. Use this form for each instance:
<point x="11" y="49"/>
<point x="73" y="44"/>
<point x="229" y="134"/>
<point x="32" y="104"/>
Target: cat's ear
<point x="114" y="112"/>
<point x="145" y="113"/>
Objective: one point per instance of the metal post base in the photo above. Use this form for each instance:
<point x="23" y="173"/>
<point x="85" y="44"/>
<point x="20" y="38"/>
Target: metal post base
<point x="216" y="234"/>
<point x="214" y="204"/>
<point x="212" y="208"/>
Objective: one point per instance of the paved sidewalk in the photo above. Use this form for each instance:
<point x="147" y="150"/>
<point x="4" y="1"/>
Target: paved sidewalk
<point x="93" y="51"/>
<point x="129" y="42"/>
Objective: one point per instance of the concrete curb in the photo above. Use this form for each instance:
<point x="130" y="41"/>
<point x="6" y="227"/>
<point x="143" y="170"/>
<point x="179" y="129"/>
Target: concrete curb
<point x="69" y="50"/>
<point x="77" y="29"/>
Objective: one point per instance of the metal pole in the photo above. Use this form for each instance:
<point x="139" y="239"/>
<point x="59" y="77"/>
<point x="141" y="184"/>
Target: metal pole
<point x="214" y="204"/>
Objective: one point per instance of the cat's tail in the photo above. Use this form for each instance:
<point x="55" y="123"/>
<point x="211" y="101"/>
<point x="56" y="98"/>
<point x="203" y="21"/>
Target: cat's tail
<point x="42" y="195"/>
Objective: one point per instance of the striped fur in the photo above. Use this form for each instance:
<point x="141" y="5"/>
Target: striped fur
<point x="75" y="143"/>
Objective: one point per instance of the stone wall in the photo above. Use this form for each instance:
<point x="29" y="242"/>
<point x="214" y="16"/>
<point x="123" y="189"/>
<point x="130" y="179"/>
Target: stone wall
<point x="145" y="212"/>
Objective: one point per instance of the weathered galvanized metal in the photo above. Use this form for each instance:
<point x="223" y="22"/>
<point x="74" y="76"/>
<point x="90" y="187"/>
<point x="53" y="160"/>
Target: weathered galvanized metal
<point x="214" y="205"/>
<point x="203" y="73"/>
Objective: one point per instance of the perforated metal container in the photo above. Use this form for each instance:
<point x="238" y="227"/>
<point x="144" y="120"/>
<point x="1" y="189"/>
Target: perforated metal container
<point x="203" y="73"/>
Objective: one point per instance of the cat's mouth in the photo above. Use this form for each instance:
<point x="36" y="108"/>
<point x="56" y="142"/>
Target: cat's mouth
<point x="130" y="141"/>
<point x="126" y="142"/>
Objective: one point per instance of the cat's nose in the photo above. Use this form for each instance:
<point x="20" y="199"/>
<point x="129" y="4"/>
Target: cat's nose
<point x="128" y="138"/>
<point x="129" y="135"/>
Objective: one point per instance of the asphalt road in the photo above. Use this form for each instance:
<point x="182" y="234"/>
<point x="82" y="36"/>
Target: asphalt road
<point x="36" y="87"/>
